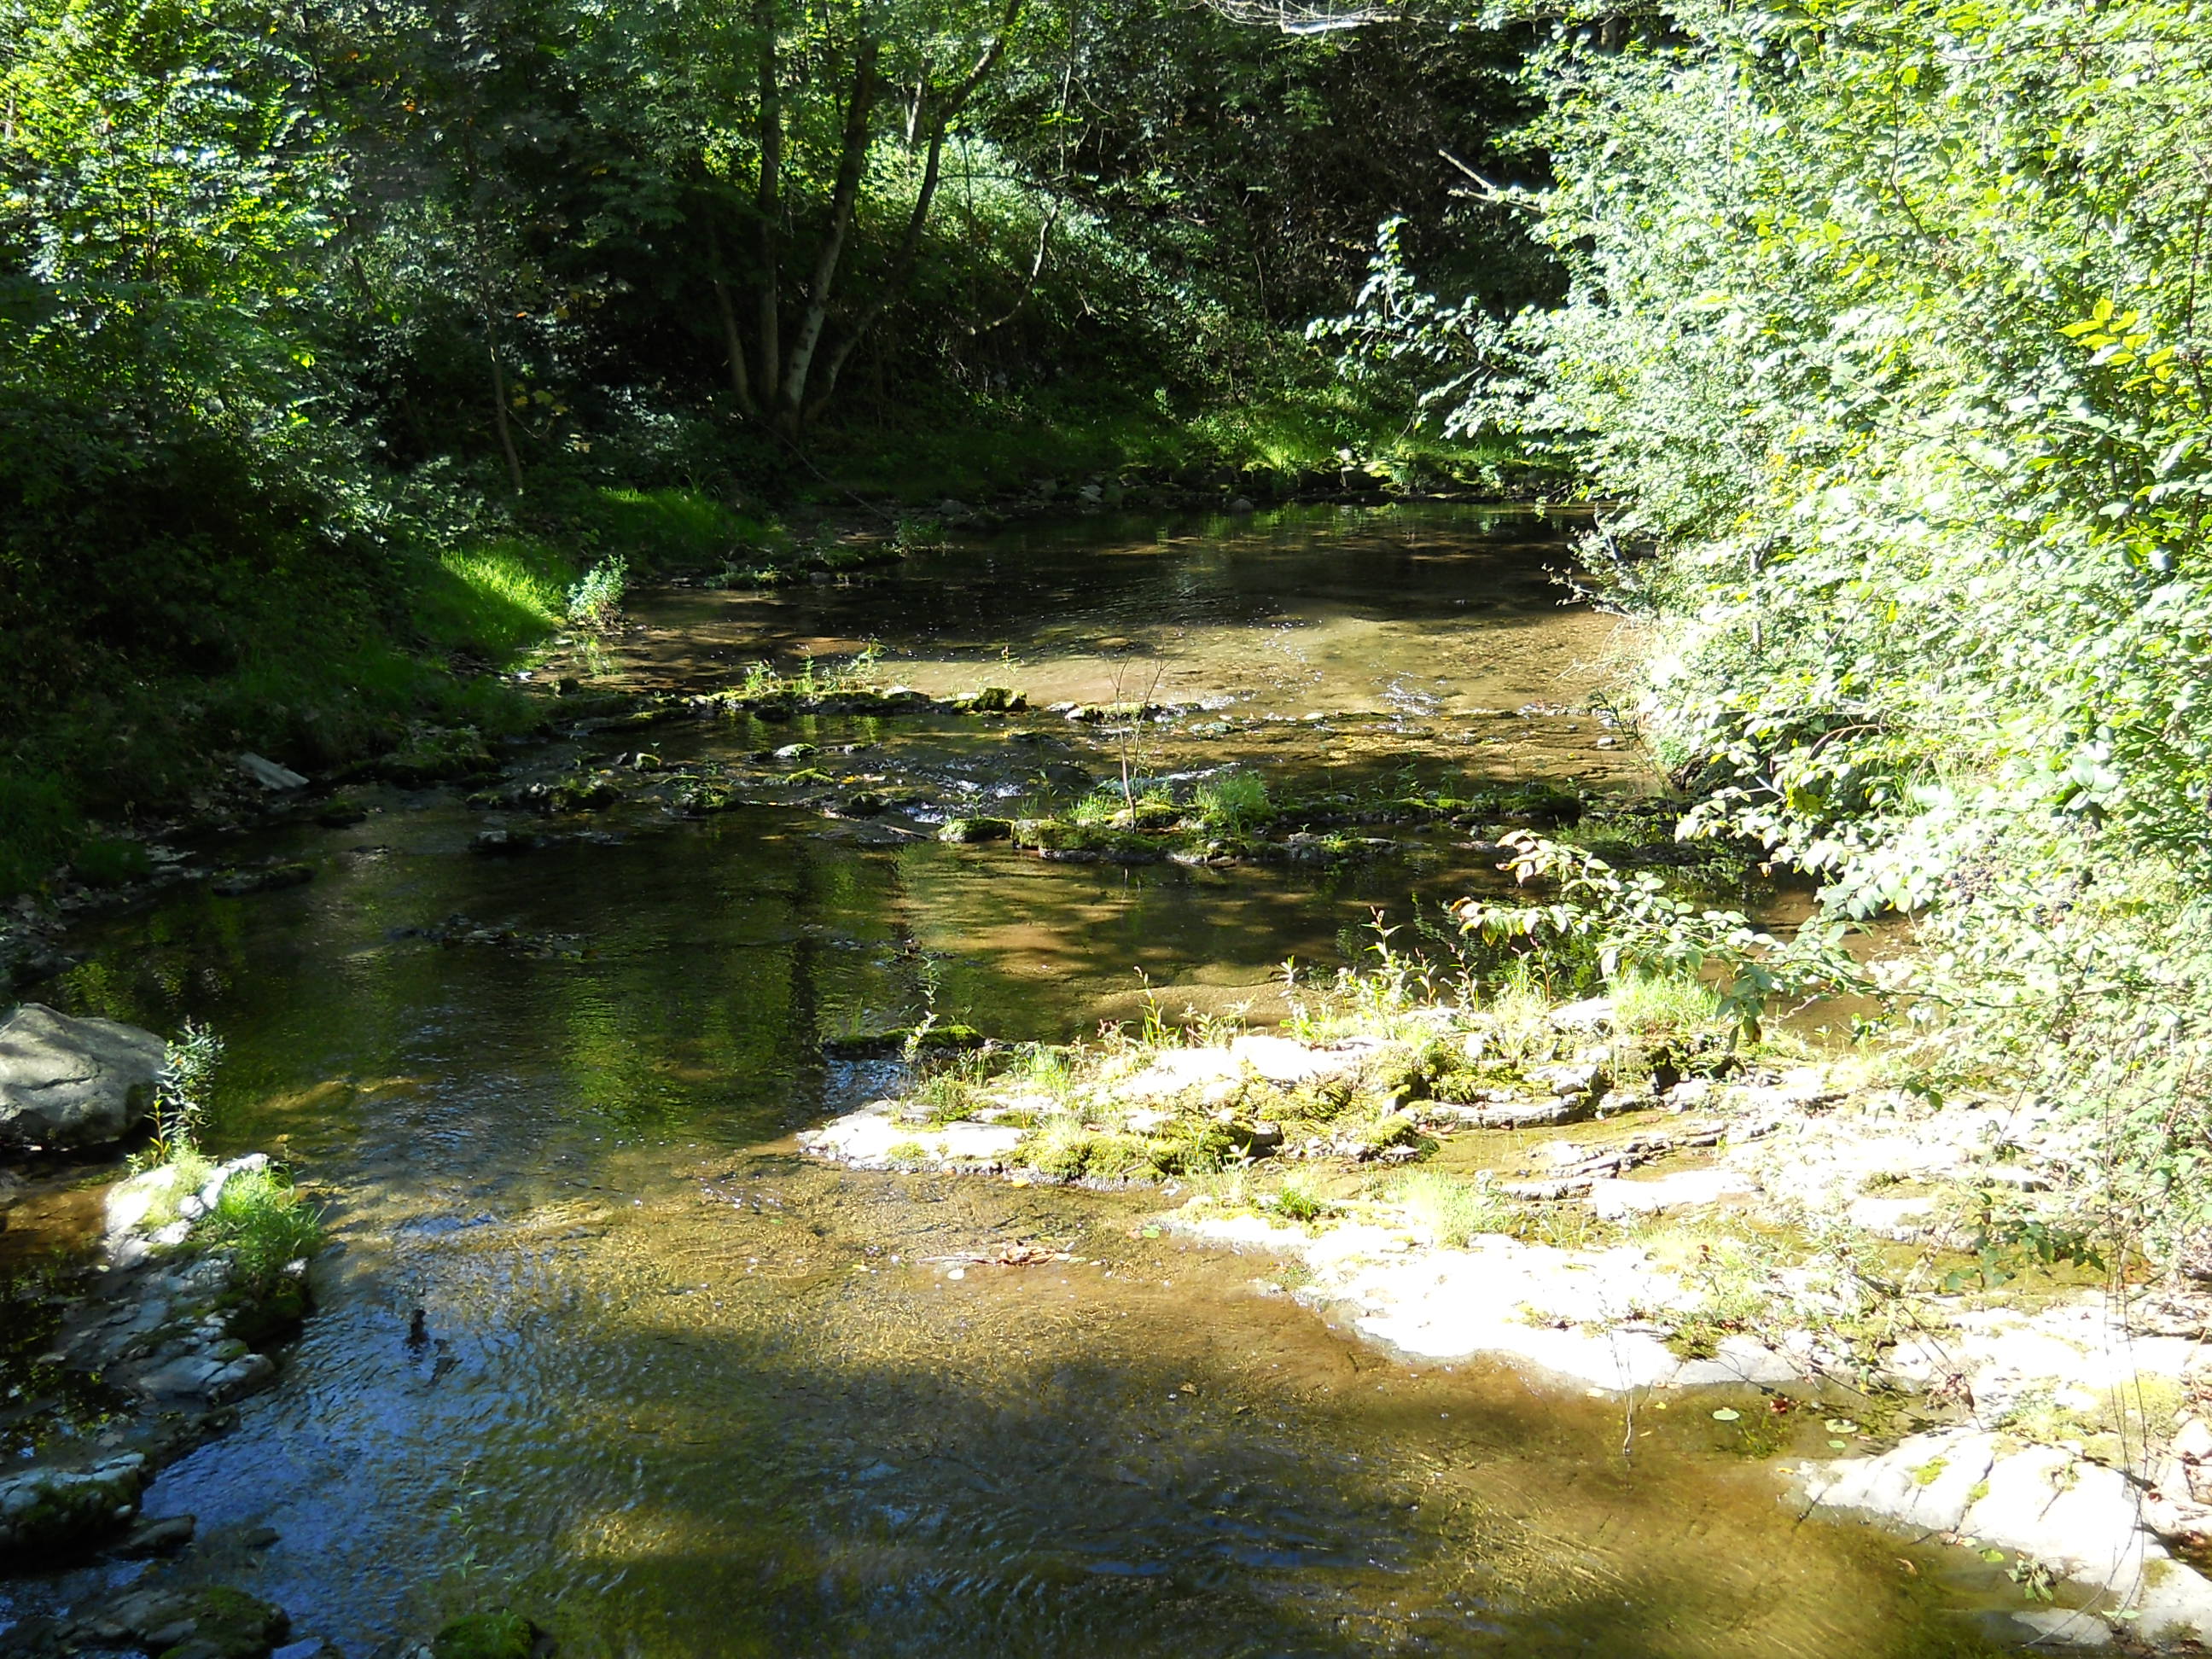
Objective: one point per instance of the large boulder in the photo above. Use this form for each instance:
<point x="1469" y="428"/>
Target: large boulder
<point x="69" y="1083"/>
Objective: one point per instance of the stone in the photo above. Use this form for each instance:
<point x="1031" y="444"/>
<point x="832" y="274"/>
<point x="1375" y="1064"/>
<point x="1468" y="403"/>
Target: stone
<point x="268" y="774"/>
<point x="1578" y="1079"/>
<point x="791" y="751"/>
<point x="67" y="1084"/>
<point x="150" y="1539"/>
<point x="1611" y="1201"/>
<point x="2062" y="1628"/>
<point x="228" y="1624"/>
<point x="45" y="1509"/>
<point x="866" y="1138"/>
<point x="1589" y="1014"/>
<point x="500" y="1633"/>
<point x="2192" y="1441"/>
<point x="237" y="884"/>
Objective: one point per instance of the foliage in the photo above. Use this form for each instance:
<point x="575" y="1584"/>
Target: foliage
<point x="180" y="1090"/>
<point x="596" y="596"/>
<point x="1882" y="344"/>
<point x="1629" y="924"/>
<point x="264" y="1224"/>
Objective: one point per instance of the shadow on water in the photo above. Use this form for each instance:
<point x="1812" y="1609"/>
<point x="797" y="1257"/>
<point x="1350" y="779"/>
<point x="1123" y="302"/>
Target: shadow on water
<point x="686" y="1393"/>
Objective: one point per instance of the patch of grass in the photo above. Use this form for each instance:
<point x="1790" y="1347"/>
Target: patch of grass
<point x="1452" y="1211"/>
<point x="1300" y="1198"/>
<point x="1232" y="802"/>
<point x="498" y="598"/>
<point x="39" y="826"/>
<point x="1650" y="1004"/>
<point x="264" y="1223"/>
<point x="99" y="863"/>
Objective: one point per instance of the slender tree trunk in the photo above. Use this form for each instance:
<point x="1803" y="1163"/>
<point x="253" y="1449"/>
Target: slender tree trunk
<point x="798" y="407"/>
<point x="499" y="421"/>
<point x="894" y="279"/>
<point x="768" y="201"/>
<point x="732" y="342"/>
<point x="852" y="163"/>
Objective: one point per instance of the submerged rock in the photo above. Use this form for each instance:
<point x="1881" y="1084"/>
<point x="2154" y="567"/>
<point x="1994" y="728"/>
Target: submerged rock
<point x="239" y="882"/>
<point x="69" y="1083"/>
<point x="502" y="1633"/>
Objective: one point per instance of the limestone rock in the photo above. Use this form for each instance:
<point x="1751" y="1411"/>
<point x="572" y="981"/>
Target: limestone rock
<point x="73" y="1083"/>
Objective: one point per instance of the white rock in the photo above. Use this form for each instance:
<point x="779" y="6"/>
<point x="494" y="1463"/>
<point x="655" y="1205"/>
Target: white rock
<point x="1588" y="1014"/>
<point x="2193" y="1440"/>
<point x="1898" y="1218"/>
<point x="1925" y="1483"/>
<point x="865" y="1139"/>
<point x="1612" y="1199"/>
<point x="268" y="774"/>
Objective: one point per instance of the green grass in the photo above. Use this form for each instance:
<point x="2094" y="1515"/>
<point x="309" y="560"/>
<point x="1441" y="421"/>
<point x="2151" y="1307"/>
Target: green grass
<point x="496" y="599"/>
<point x="1452" y="1211"/>
<point x="264" y="1223"/>
<point x="1231" y="802"/>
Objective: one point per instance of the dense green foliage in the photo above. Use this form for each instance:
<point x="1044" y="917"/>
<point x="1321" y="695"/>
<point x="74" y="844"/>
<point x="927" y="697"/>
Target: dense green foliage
<point x="1883" y="338"/>
<point x="334" y="339"/>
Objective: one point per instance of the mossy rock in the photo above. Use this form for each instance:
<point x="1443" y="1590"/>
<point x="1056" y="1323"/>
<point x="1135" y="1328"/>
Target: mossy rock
<point x="922" y="1039"/>
<point x="960" y="831"/>
<point x="433" y="755"/>
<point x="501" y="1633"/>
<point x="228" y="1624"/>
<point x="992" y="700"/>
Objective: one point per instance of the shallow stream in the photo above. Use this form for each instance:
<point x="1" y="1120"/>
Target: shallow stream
<point x="685" y="1392"/>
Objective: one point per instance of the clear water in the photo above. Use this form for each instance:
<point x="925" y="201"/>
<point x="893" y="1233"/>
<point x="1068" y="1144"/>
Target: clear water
<point x="686" y="1393"/>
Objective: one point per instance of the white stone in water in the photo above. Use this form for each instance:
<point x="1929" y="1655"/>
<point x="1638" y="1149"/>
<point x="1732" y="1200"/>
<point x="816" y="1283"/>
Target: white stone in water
<point x="2082" y="1520"/>
<point x="2063" y="1627"/>
<point x="1612" y="1199"/>
<point x="865" y="1139"/>
<point x="1558" y="1310"/>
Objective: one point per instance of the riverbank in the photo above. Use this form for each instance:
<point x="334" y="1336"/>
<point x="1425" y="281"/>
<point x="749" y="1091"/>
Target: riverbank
<point x="1612" y="1195"/>
<point x="336" y="692"/>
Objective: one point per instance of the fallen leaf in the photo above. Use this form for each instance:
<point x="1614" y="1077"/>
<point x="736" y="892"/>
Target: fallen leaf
<point x="1726" y="1414"/>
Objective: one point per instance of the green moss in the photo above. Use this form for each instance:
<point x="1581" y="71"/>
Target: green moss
<point x="958" y="830"/>
<point x="502" y="1633"/>
<point x="434" y="754"/>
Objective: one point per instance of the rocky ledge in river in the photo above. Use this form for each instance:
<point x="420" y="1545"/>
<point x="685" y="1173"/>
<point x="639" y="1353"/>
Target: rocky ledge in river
<point x="1656" y="1218"/>
<point x="167" y="1330"/>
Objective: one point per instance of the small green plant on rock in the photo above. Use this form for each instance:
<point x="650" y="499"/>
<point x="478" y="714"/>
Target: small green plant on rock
<point x="1450" y="1211"/>
<point x="181" y="1091"/>
<point x="595" y="598"/>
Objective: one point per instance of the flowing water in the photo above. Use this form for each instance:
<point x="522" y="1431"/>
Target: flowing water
<point x="685" y="1392"/>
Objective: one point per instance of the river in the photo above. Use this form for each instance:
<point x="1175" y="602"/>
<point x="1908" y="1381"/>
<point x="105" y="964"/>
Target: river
<point x="686" y="1393"/>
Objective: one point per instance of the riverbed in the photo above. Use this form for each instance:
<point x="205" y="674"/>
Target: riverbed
<point x="683" y="1392"/>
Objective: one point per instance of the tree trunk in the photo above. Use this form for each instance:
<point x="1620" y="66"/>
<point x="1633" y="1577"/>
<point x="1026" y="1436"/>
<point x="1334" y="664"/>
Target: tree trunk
<point x="852" y="163"/>
<point x="901" y="266"/>
<point x="767" y="203"/>
<point x="732" y="342"/>
<point x="500" y="421"/>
